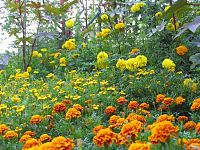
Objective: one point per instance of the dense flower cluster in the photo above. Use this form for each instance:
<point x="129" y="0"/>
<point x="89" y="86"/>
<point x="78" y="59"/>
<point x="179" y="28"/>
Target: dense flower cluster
<point x="168" y="64"/>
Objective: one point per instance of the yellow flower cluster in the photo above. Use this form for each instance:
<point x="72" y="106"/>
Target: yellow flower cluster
<point x="189" y="83"/>
<point x="69" y="44"/>
<point x="104" y="33"/>
<point x="69" y="23"/>
<point x="102" y="60"/>
<point x="120" y="26"/>
<point x="136" y="7"/>
<point x="63" y="62"/>
<point x="36" y="54"/>
<point x="168" y="64"/>
<point x="132" y="63"/>
<point x="104" y="17"/>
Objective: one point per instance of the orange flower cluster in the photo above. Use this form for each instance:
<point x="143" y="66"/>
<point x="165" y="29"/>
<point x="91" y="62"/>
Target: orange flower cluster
<point x="139" y="146"/>
<point x="10" y="135"/>
<point x="182" y="118"/>
<point x="190" y="125"/>
<point x="36" y="119"/>
<point x="168" y="101"/>
<point x="133" y="105"/>
<point x="165" y="117"/>
<point x="162" y="131"/>
<point x="97" y="129"/>
<point x="3" y="128"/>
<point x="30" y="143"/>
<point x="196" y="104"/>
<point x="134" y="116"/>
<point x="61" y="142"/>
<point x="78" y="107"/>
<point x="113" y="119"/>
<point x="197" y="128"/>
<point x="24" y="138"/>
<point x="110" y="110"/>
<point x="122" y="100"/>
<point x="160" y="98"/>
<point x="104" y="137"/>
<point x="72" y="113"/>
<point x="192" y="143"/>
<point x="181" y="50"/>
<point x="31" y="133"/>
<point x="144" y="106"/>
<point x="59" y="107"/>
<point x="45" y="138"/>
<point x="179" y="100"/>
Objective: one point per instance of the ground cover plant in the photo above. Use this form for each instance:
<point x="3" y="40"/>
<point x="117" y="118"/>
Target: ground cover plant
<point x="125" y="75"/>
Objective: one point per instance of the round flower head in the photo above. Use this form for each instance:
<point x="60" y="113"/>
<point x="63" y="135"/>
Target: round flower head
<point x="69" y="23"/>
<point x="119" y="26"/>
<point x="168" y="64"/>
<point x="158" y="14"/>
<point x="104" y="17"/>
<point x="121" y="64"/>
<point x="181" y="50"/>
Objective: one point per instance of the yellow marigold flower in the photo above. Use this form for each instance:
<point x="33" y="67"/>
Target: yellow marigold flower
<point x="188" y="82"/>
<point x="24" y="138"/>
<point x="102" y="60"/>
<point x="158" y="14"/>
<point x="3" y="128"/>
<point x="29" y="69"/>
<point x="162" y="131"/>
<point x="45" y="138"/>
<point x="166" y="8"/>
<point x="141" y="60"/>
<point x="104" y="137"/>
<point x="135" y="8"/>
<point x="181" y="50"/>
<point x="36" y="119"/>
<point x="72" y="113"/>
<point x="179" y="100"/>
<point x="168" y="64"/>
<point x="35" y="53"/>
<point x="121" y="64"/>
<point x="70" y="44"/>
<point x="10" y="135"/>
<point x="61" y="142"/>
<point x="63" y="62"/>
<point x="69" y="23"/>
<point x="139" y="146"/>
<point x="104" y="17"/>
<point x="131" y="64"/>
<point x="190" y="125"/>
<point x="120" y="26"/>
<point x="30" y="143"/>
<point x="105" y="32"/>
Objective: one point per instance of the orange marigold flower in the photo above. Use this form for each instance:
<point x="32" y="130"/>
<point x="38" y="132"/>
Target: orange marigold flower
<point x="165" y="117"/>
<point x="67" y="102"/>
<point x="162" y="131"/>
<point x="162" y="107"/>
<point x="196" y="104"/>
<point x="133" y="105"/>
<point x="122" y="100"/>
<point x="45" y="138"/>
<point x="179" y="100"/>
<point x="167" y="101"/>
<point x="72" y="113"/>
<point x="61" y="142"/>
<point x="197" y="128"/>
<point x="78" y="107"/>
<point x="113" y="119"/>
<point x="97" y="129"/>
<point x="131" y="129"/>
<point x="46" y="146"/>
<point x="31" y="133"/>
<point x="181" y="50"/>
<point x="89" y="101"/>
<point x="120" y="121"/>
<point x="36" y="119"/>
<point x="144" y="106"/>
<point x="30" y="143"/>
<point x="139" y="146"/>
<point x="10" y="135"/>
<point x="193" y="144"/>
<point x="160" y="98"/>
<point x="110" y="110"/>
<point x="182" y="118"/>
<point x="145" y="112"/>
<point x="104" y="137"/>
<point x="134" y="116"/>
<point x="24" y="138"/>
<point x="190" y="125"/>
<point x="3" y="128"/>
<point x="59" y="107"/>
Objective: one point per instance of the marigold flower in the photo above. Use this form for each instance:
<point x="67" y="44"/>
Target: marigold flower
<point x="110" y="110"/>
<point x="72" y="113"/>
<point x="10" y="135"/>
<point x="46" y="146"/>
<point x="36" y="119"/>
<point x="133" y="105"/>
<point x="113" y="119"/>
<point x="119" y="26"/>
<point x="139" y="146"/>
<point x="160" y="98"/>
<point x="197" y="128"/>
<point x="122" y="100"/>
<point x="78" y="107"/>
<point x="134" y="116"/>
<point x="190" y="125"/>
<point x="59" y="107"/>
<point x="63" y="62"/>
<point x="179" y="100"/>
<point x="181" y="50"/>
<point x="196" y="104"/>
<point x="69" y="23"/>
<point x="167" y="101"/>
<point x="158" y="14"/>
<point x="3" y="128"/>
<point x="104" y="137"/>
<point x="97" y="129"/>
<point x="193" y="144"/>
<point x="131" y="64"/>
<point x="168" y="64"/>
<point x="121" y="64"/>
<point x="144" y="106"/>
<point x="141" y="60"/>
<point x="165" y="117"/>
<point x="104" y="17"/>
<point x="67" y="102"/>
<point x="182" y="118"/>
<point x="31" y="133"/>
<point x="61" y="142"/>
<point x="69" y="44"/>
<point x="162" y="131"/>
<point x="102" y="60"/>
<point x="45" y="138"/>
<point x="24" y="138"/>
<point x="30" y="143"/>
